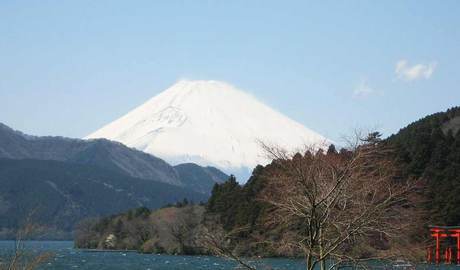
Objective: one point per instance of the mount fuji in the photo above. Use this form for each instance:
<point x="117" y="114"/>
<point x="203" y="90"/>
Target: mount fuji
<point x="210" y="123"/>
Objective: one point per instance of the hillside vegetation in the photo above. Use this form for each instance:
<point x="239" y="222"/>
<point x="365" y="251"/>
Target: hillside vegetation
<point x="172" y="230"/>
<point x="428" y="149"/>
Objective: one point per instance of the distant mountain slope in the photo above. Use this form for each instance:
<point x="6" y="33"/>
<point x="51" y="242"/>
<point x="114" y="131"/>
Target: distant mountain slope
<point x="208" y="123"/>
<point x="430" y="148"/>
<point x="59" y="194"/>
<point x="199" y="178"/>
<point x="102" y="153"/>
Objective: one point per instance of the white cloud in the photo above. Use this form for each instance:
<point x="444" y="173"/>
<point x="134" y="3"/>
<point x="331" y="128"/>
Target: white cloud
<point x="363" y="90"/>
<point x="409" y="73"/>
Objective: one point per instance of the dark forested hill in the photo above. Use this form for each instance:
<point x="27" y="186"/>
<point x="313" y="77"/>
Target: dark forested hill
<point x="58" y="181"/>
<point x="430" y="148"/>
<point x="58" y="194"/>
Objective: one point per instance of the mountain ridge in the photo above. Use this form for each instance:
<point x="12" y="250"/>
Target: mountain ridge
<point x="99" y="152"/>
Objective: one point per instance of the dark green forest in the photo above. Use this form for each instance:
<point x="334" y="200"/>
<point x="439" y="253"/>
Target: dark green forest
<point x="430" y="149"/>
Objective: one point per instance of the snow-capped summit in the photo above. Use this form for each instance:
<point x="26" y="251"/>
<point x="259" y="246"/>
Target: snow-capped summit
<point x="207" y="123"/>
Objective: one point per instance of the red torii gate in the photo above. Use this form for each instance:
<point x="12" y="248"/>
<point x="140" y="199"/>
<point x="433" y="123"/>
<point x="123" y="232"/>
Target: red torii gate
<point x="438" y="233"/>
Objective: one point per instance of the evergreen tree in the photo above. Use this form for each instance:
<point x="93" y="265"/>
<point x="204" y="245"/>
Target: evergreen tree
<point x="331" y="149"/>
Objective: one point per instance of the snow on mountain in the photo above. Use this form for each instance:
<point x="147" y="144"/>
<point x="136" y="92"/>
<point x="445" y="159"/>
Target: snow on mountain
<point x="207" y="123"/>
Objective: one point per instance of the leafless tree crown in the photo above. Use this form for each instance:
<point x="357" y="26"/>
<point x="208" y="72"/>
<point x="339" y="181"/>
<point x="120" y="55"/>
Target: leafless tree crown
<point x="338" y="200"/>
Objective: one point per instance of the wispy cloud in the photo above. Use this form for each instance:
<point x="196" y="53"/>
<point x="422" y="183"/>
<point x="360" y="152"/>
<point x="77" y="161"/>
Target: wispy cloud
<point x="406" y="72"/>
<point x="363" y="90"/>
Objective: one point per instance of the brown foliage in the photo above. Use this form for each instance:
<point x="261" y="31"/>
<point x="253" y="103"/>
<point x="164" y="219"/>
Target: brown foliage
<point x="339" y="201"/>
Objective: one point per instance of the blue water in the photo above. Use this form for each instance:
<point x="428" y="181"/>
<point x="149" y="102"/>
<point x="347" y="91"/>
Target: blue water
<point x="66" y="257"/>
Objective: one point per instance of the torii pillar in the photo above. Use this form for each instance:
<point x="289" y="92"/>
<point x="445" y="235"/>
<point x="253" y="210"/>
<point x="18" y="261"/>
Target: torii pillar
<point x="438" y="233"/>
<point x="455" y="233"/>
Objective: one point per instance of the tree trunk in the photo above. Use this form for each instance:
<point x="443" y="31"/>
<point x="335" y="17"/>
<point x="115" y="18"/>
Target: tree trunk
<point x="322" y="263"/>
<point x="309" y="261"/>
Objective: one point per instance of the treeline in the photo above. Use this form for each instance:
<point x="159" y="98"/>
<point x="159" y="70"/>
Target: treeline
<point x="171" y="230"/>
<point x="428" y="149"/>
<point x="247" y="217"/>
<point x="239" y="206"/>
<point x="234" y="212"/>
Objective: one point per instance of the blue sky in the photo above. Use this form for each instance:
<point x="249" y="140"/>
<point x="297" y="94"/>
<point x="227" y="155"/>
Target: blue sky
<point x="69" y="67"/>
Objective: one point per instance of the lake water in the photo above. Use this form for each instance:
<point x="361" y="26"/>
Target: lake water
<point x="66" y="257"/>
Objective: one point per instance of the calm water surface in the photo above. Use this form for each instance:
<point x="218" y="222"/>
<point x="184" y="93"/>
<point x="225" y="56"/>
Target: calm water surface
<point x="66" y="257"/>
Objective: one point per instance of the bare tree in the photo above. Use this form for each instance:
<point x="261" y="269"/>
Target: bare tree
<point x="217" y="241"/>
<point x="85" y="232"/>
<point x="137" y="232"/>
<point x="184" y="227"/>
<point x="338" y="200"/>
<point x="21" y="259"/>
